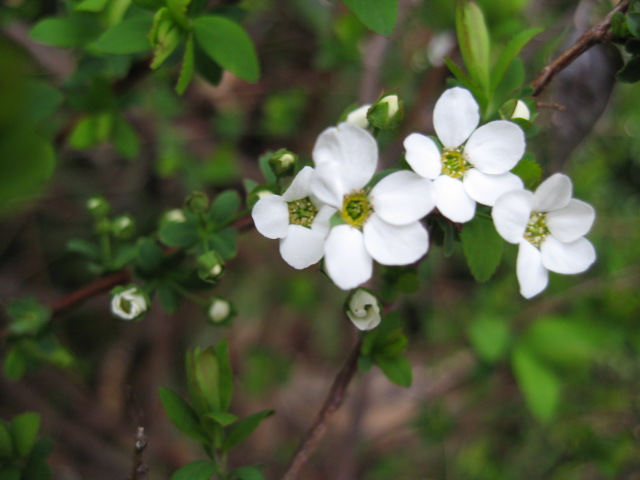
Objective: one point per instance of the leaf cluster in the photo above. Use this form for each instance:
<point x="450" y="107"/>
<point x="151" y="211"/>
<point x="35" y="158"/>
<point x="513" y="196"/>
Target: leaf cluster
<point x="22" y="455"/>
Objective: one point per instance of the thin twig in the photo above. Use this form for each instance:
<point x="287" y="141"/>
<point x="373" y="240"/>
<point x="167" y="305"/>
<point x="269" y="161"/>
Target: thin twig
<point x="100" y="285"/>
<point x="599" y="33"/>
<point x="334" y="399"/>
<point x="139" y="469"/>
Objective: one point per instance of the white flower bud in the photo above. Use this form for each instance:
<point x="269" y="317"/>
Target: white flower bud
<point x="175" y="215"/>
<point x="129" y="304"/>
<point x="392" y="102"/>
<point x="219" y="310"/>
<point x="363" y="309"/>
<point x="521" y="111"/>
<point x="359" y="116"/>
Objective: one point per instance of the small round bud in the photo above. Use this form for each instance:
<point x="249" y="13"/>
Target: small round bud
<point x="196" y="202"/>
<point x="98" y="207"/>
<point x="521" y="111"/>
<point x="283" y="163"/>
<point x="123" y="227"/>
<point x="359" y="116"/>
<point x="386" y="113"/>
<point x="363" y="309"/>
<point x="210" y="266"/>
<point x="129" y="303"/>
<point x="175" y="215"/>
<point x="220" y="311"/>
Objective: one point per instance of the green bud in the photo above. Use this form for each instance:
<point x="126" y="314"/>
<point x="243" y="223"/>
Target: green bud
<point x="196" y="202"/>
<point x="210" y="266"/>
<point x="98" y="207"/>
<point x="123" y="227"/>
<point x="165" y="36"/>
<point x="386" y="113"/>
<point x="283" y="163"/>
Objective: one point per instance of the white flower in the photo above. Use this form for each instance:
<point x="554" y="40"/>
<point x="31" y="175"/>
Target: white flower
<point x="549" y="228"/>
<point x="297" y="218"/>
<point x="359" y="116"/>
<point x="363" y="309"/>
<point x="381" y="223"/>
<point x="129" y="304"/>
<point x="474" y="163"/>
<point x="219" y="310"/>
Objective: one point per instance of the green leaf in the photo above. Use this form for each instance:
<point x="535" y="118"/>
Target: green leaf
<point x="197" y="470"/>
<point x="378" y="15"/>
<point x="188" y="66"/>
<point x="153" y="5"/>
<point x="178" y="234"/>
<point x="206" y="372"/>
<point x="93" y="6"/>
<point x="125" y="138"/>
<point x="15" y="364"/>
<point x="397" y="369"/>
<point x="509" y="53"/>
<point x="482" y="246"/>
<point x="126" y="37"/>
<point x="42" y="101"/>
<point x="228" y="45"/>
<point x="241" y="430"/>
<point x="633" y="23"/>
<point x="150" y="255"/>
<point x="66" y="32"/>
<point x="24" y="429"/>
<point x="165" y="36"/>
<point x="223" y="418"/>
<point x="225" y="380"/>
<point x="6" y="443"/>
<point x="529" y="171"/>
<point x="248" y="472"/>
<point x="84" y="248"/>
<point x="224" y="207"/>
<point x="10" y="472"/>
<point x="182" y="415"/>
<point x="540" y="386"/>
<point x="37" y="469"/>
<point x="490" y="337"/>
<point x="169" y="297"/>
<point x="207" y="68"/>
<point x="473" y="39"/>
<point x="630" y="73"/>
<point x="224" y="242"/>
<point x="178" y="9"/>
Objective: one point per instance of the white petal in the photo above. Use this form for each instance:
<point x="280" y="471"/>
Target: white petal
<point x="395" y="244"/>
<point x="511" y="214"/>
<point x="533" y="277"/>
<point x="346" y="259"/>
<point x="423" y="155"/>
<point x="402" y="197"/>
<point x="271" y="216"/>
<point x="353" y="147"/>
<point x="486" y="189"/>
<point x="330" y="184"/>
<point x="571" y="222"/>
<point x="302" y="246"/>
<point x="363" y="310"/>
<point x="455" y="116"/>
<point x="300" y="185"/>
<point x="552" y="194"/>
<point x="567" y="258"/>
<point x="321" y="223"/>
<point x="359" y="116"/>
<point x="495" y="147"/>
<point x="452" y="199"/>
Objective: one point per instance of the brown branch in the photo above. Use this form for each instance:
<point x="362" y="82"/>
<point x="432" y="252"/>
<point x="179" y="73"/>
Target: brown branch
<point x="100" y="285"/>
<point x="139" y="468"/>
<point x="599" y="33"/>
<point x="334" y="399"/>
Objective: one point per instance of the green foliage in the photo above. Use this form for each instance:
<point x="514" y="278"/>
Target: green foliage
<point x="248" y="472"/>
<point x="126" y="37"/>
<point x="482" y="247"/>
<point x="474" y="42"/>
<point x="182" y="415"/>
<point x="73" y="31"/>
<point x="22" y="456"/>
<point x="490" y="337"/>
<point x="378" y="15"/>
<point x="196" y="470"/>
<point x="239" y="432"/>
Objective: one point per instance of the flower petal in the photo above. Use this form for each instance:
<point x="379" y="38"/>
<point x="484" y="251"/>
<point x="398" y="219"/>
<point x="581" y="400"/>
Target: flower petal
<point x="330" y="184"/>
<point x="552" y="194"/>
<point x="567" y="258"/>
<point x="359" y="116"/>
<point x="346" y="259"/>
<point x="511" y="214"/>
<point x="533" y="277"/>
<point x="486" y="189"/>
<point x="571" y="222"/>
<point x="395" y="244"/>
<point x="351" y="146"/>
<point x="302" y="246"/>
<point x="300" y="185"/>
<point x="321" y="223"/>
<point x="402" y="197"/>
<point x="423" y="155"/>
<point x="452" y="199"/>
<point x="455" y="116"/>
<point x="271" y="216"/>
<point x="496" y="147"/>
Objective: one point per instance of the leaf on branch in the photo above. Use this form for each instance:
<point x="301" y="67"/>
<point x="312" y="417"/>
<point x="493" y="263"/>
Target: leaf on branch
<point x="378" y="15"/>
<point x="482" y="246"/>
<point x="126" y="37"/>
<point x="182" y="415"/>
<point x="197" y="470"/>
<point x="240" y="431"/>
<point x="66" y="32"/>
<point x="188" y="66"/>
<point x="473" y="39"/>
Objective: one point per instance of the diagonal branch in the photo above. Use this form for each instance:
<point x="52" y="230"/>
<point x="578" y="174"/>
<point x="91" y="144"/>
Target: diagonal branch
<point x="334" y="399"/>
<point x="599" y="33"/>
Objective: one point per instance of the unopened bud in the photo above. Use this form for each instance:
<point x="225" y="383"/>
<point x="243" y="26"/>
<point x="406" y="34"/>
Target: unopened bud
<point x="98" y="207"/>
<point x="129" y="303"/>
<point x="196" y="202"/>
<point x="210" y="266"/>
<point x="123" y="227"/>
<point x="219" y="311"/>
<point x="359" y="116"/>
<point x="521" y="111"/>
<point x="363" y="309"/>
<point x="283" y="163"/>
<point x="175" y="215"/>
<point x="386" y="113"/>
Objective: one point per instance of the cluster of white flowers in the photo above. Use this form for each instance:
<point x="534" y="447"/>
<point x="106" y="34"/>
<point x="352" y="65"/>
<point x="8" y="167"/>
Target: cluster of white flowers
<point x="334" y="211"/>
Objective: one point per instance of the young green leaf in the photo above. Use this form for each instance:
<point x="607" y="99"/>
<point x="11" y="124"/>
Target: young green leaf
<point x="15" y="364"/>
<point x="93" y="6"/>
<point x="224" y="207"/>
<point x="66" y="32"/>
<point x="178" y="9"/>
<point x="630" y="73"/>
<point x="248" y="472"/>
<point x="225" y="380"/>
<point x="178" y="234"/>
<point x="150" y="255"/>
<point x="529" y="171"/>
<point x="207" y="376"/>
<point x="197" y="470"/>
<point x="222" y="418"/>
<point x="482" y="246"/>
<point x="126" y="37"/>
<point x="182" y="415"/>
<point x="490" y="337"/>
<point x="473" y="39"/>
<point x="511" y="50"/>
<point x="224" y="242"/>
<point x="397" y="369"/>
<point x="241" y="430"/>
<point x="24" y="429"/>
<point x="188" y="65"/>
<point x="125" y="138"/>
<point x="6" y="442"/>
<point x="228" y="45"/>
<point x="378" y="15"/>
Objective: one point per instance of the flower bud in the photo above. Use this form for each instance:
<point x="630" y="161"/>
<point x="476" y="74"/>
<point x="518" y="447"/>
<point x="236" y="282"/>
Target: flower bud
<point x="386" y="112"/>
<point x="363" y="309"/>
<point x="257" y="193"/>
<point x="129" y="303"/>
<point x="196" y="202"/>
<point x="219" y="311"/>
<point x="283" y="163"/>
<point x="521" y="111"/>
<point x="123" y="227"/>
<point x="210" y="266"/>
<point x="359" y="116"/>
<point x="98" y="207"/>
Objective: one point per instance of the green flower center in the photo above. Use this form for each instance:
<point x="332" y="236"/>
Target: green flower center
<point x="125" y="305"/>
<point x="537" y="229"/>
<point x="454" y="162"/>
<point x="356" y="208"/>
<point x="302" y="212"/>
